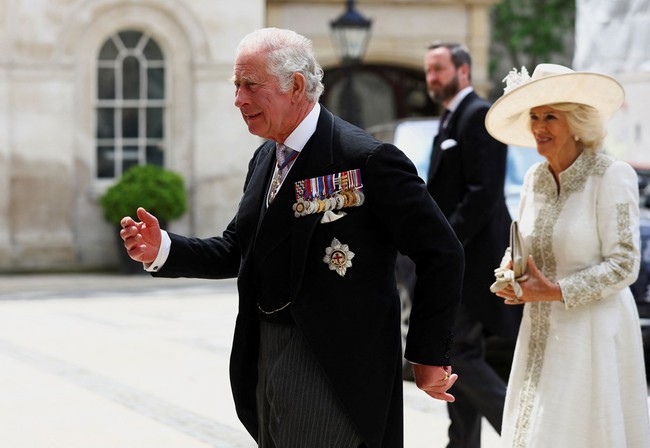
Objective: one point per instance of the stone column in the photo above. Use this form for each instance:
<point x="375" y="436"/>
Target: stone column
<point x="5" y="176"/>
<point x="478" y="41"/>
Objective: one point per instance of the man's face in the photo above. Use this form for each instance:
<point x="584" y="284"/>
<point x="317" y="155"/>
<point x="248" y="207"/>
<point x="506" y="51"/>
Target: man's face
<point x="268" y="112"/>
<point x="441" y="75"/>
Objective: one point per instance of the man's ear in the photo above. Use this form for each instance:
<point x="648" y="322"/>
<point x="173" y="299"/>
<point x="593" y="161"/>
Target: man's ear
<point x="299" y="85"/>
<point x="464" y="70"/>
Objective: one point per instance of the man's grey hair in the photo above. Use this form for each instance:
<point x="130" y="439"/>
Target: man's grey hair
<point x="287" y="53"/>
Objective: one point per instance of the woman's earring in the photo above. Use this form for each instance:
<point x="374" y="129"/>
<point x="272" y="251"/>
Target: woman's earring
<point x="576" y="138"/>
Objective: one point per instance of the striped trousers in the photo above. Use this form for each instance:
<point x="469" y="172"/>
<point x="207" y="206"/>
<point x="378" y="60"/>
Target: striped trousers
<point x="297" y="407"/>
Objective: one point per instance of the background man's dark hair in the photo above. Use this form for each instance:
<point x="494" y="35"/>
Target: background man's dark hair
<point x="459" y="53"/>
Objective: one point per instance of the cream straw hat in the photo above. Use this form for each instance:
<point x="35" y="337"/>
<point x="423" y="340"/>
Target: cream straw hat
<point x="508" y="118"/>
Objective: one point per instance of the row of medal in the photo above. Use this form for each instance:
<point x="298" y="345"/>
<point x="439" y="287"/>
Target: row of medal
<point x="329" y="192"/>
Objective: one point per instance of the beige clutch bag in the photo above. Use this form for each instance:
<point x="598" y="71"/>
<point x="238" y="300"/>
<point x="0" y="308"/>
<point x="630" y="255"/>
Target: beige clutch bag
<point x="518" y="254"/>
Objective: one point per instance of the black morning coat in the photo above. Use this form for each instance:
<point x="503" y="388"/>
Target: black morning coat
<point x="352" y="322"/>
<point x="466" y="180"/>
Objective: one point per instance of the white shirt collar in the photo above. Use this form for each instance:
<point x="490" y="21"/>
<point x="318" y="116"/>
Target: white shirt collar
<point x="299" y="137"/>
<point x="460" y="96"/>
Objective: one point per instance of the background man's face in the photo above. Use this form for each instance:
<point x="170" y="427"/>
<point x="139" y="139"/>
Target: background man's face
<point x="441" y="75"/>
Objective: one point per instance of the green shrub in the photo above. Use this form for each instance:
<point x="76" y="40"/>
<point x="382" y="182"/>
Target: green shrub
<point x="160" y="191"/>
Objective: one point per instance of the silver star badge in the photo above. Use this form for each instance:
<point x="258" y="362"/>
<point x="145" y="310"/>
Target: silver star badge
<point x="338" y="257"/>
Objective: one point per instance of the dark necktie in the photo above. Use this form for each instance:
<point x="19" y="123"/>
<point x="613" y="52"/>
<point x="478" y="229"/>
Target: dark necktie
<point x="435" y="150"/>
<point x="443" y="120"/>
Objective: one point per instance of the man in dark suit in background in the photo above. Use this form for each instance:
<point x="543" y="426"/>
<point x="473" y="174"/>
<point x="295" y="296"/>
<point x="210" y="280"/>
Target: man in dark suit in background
<point x="316" y="356"/>
<point x="466" y="179"/>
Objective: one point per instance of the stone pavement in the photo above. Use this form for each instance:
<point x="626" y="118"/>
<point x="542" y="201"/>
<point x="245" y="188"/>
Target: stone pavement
<point x="109" y="361"/>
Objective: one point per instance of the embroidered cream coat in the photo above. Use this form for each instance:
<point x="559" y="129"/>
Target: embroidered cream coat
<point x="578" y="376"/>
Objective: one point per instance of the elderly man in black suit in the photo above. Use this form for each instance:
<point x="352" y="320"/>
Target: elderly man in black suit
<point x="466" y="179"/>
<point x="316" y="356"/>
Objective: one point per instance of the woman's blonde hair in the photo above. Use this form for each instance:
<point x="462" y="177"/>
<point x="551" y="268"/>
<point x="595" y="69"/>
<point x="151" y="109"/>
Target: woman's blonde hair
<point x="586" y="123"/>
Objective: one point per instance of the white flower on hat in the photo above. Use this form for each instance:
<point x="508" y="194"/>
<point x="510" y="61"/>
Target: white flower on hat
<point x="508" y="119"/>
<point x="514" y="79"/>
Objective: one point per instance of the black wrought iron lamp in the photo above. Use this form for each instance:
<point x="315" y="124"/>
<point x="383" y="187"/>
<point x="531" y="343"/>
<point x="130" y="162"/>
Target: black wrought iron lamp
<point x="350" y="34"/>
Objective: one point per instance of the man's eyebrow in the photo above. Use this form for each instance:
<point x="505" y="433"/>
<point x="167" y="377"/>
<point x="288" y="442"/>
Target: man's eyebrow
<point x="248" y="79"/>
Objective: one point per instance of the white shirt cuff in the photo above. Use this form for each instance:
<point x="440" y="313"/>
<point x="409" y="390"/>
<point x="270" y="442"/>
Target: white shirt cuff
<point x="163" y="253"/>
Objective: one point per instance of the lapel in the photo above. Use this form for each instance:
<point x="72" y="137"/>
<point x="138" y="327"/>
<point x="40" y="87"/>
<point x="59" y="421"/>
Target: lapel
<point x="251" y="208"/>
<point x="278" y="222"/>
<point x="436" y="152"/>
<point x="451" y="131"/>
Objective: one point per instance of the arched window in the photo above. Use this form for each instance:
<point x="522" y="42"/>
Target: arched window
<point x="130" y="103"/>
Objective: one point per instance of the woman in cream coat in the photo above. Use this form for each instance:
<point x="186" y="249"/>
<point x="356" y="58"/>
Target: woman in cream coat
<point x="578" y="377"/>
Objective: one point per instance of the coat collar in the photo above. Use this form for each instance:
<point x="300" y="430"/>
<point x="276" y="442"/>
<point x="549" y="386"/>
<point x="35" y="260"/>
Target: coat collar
<point x="278" y="221"/>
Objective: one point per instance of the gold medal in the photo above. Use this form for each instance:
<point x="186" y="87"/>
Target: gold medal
<point x="350" y="199"/>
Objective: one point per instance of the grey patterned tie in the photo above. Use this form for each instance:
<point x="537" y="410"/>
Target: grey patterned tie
<point x="284" y="156"/>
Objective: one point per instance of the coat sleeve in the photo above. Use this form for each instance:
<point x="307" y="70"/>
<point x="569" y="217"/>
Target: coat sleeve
<point x="400" y="201"/>
<point x="215" y="257"/>
<point x="617" y="215"/>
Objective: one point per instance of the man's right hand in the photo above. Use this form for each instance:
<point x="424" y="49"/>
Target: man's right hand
<point x="141" y="239"/>
<point x="435" y="381"/>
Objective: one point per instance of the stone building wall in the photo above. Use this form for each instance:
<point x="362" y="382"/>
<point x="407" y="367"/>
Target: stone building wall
<point x="49" y="213"/>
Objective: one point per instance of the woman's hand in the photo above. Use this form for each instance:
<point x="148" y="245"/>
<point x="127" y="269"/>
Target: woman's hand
<point x="535" y="287"/>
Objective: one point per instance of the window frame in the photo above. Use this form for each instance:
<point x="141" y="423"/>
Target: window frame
<point x="141" y="142"/>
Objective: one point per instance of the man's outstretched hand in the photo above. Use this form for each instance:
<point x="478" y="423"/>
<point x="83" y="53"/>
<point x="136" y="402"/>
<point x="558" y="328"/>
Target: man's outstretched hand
<point x="141" y="239"/>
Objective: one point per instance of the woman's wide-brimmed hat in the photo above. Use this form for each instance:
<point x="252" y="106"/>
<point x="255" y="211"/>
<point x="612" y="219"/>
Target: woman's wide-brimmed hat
<point x="508" y="118"/>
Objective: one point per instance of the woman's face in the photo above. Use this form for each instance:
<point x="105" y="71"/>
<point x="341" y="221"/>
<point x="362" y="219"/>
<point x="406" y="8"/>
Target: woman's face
<point x="552" y="134"/>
